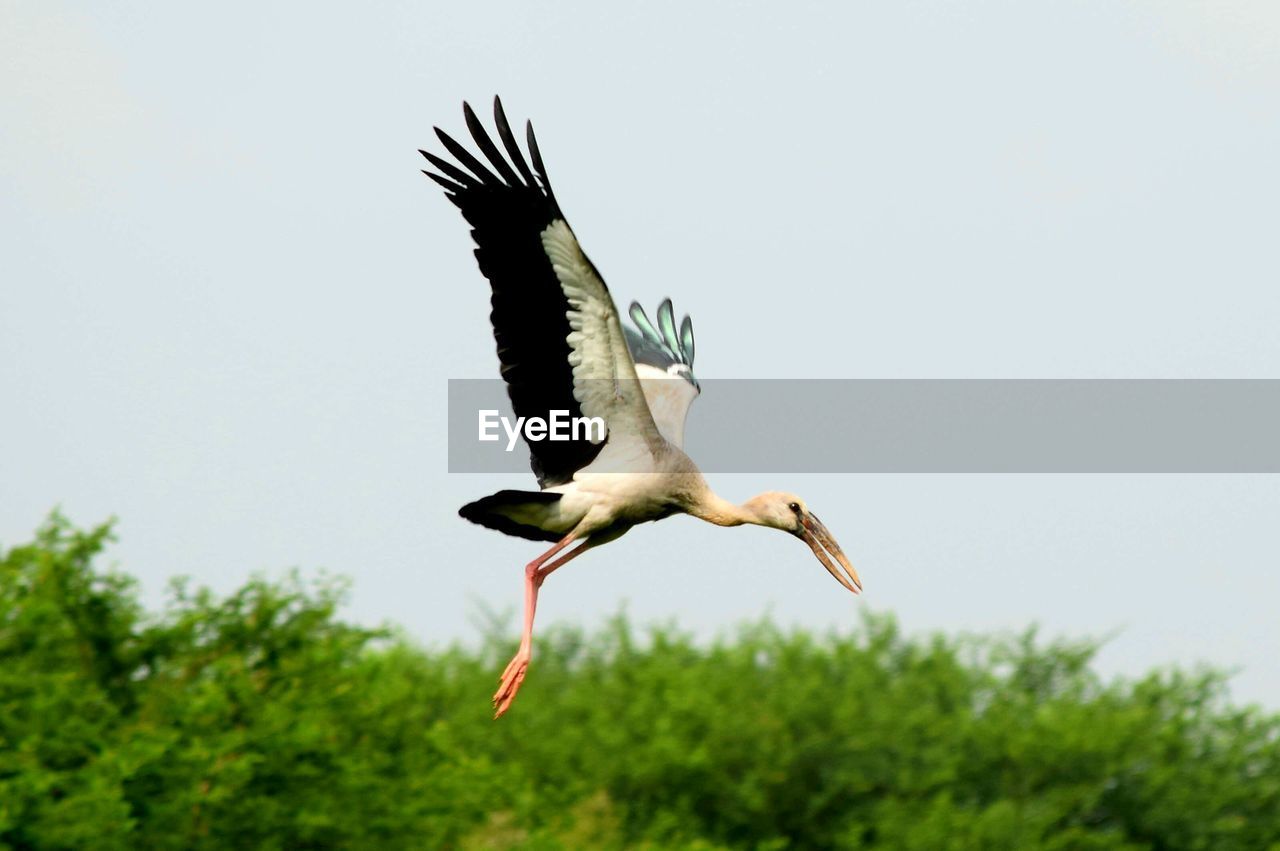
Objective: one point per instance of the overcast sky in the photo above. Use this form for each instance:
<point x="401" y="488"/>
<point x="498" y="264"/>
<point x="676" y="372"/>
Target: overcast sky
<point x="229" y="303"/>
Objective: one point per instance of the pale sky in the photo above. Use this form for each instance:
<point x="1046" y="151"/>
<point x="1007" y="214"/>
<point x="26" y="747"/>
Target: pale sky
<point x="229" y="303"/>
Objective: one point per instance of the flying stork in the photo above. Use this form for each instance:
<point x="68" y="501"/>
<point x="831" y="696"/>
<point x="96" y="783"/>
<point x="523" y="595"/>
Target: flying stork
<point x="563" y="347"/>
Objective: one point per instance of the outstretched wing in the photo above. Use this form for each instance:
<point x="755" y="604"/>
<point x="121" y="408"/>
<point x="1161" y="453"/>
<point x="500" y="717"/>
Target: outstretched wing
<point x="560" y="341"/>
<point x="664" y="363"/>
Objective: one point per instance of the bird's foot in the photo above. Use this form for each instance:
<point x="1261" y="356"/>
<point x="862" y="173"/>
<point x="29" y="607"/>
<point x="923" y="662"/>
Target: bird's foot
<point x="511" y="679"/>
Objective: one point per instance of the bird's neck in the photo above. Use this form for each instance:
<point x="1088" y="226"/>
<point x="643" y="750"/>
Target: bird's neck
<point x="714" y="509"/>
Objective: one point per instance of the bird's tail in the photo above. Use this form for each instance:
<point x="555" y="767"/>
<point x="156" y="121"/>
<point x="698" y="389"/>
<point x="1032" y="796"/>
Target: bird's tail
<point x="524" y="514"/>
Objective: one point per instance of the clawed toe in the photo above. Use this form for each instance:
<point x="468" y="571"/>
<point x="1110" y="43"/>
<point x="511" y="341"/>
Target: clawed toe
<point x="511" y="679"/>
<point x="506" y="672"/>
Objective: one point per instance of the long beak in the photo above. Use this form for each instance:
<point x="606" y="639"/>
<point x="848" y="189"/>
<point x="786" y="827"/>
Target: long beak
<point x="825" y="548"/>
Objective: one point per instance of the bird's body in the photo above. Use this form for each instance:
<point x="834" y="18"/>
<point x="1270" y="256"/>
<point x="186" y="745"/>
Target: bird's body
<point x="562" y="347"/>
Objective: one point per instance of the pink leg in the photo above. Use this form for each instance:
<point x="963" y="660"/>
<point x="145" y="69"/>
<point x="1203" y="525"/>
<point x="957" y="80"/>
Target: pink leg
<point x="534" y="575"/>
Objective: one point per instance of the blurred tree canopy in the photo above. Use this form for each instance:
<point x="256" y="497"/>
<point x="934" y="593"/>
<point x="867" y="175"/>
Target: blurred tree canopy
<point x="261" y="720"/>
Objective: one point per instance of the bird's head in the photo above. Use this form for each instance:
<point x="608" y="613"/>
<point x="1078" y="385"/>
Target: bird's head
<point x="788" y="512"/>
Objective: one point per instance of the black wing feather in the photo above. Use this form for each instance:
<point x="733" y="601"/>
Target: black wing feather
<point x="449" y="185"/>
<point x="487" y="147"/>
<point x="464" y="156"/>
<point x="450" y="170"/>
<point x="507" y="217"/>
<point x="536" y="155"/>
<point x="509" y="142"/>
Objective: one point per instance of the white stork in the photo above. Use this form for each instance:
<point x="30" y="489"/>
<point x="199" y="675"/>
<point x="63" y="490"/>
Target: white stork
<point x="562" y="347"/>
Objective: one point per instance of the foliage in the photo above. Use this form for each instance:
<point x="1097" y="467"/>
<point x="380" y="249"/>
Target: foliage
<point x="261" y="720"/>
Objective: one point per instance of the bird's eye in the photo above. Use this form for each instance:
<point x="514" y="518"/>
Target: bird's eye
<point x="795" y="506"/>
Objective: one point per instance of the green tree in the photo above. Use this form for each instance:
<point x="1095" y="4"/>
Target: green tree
<point x="262" y="720"/>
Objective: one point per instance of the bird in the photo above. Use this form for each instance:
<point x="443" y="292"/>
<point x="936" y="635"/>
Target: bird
<point x="562" y="346"/>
